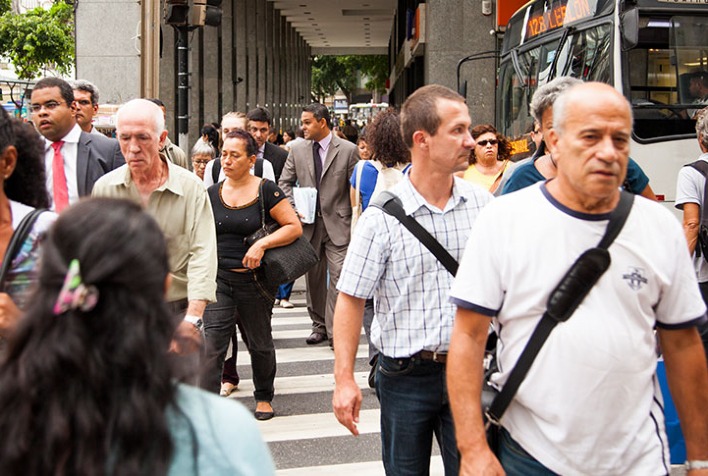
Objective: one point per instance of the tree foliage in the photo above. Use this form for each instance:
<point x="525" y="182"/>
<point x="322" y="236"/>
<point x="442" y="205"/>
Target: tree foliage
<point x="332" y="73"/>
<point x="39" y="40"/>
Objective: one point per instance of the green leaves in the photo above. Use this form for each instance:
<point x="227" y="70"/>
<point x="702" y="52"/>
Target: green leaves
<point x="330" y="73"/>
<point x="39" y="39"/>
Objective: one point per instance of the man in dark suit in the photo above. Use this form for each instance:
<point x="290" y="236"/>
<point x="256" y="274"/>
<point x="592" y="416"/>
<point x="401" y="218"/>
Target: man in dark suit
<point x="324" y="162"/>
<point x="74" y="159"/>
<point x="259" y="123"/>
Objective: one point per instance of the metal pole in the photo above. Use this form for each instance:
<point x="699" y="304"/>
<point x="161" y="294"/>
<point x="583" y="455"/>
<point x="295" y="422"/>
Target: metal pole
<point x="182" y="86"/>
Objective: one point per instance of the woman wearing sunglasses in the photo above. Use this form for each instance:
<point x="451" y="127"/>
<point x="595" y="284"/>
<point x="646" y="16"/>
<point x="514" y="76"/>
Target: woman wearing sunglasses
<point x="489" y="159"/>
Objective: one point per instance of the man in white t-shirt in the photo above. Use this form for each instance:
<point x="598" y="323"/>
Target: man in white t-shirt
<point x="590" y="403"/>
<point x="689" y="198"/>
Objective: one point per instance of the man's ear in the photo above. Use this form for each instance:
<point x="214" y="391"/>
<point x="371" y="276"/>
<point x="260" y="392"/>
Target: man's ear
<point x="420" y="139"/>
<point x="163" y="138"/>
<point x="551" y="137"/>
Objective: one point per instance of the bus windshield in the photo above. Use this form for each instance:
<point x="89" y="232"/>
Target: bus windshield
<point x="668" y="75"/>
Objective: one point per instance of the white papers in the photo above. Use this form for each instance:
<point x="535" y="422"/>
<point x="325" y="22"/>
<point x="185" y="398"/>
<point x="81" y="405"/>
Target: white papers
<point x="305" y="199"/>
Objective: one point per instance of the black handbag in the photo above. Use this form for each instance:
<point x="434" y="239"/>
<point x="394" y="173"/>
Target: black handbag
<point x="283" y="264"/>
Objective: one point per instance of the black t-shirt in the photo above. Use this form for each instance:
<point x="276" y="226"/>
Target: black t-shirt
<point x="233" y="224"/>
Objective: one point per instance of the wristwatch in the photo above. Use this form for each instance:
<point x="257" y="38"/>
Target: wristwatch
<point x="196" y="321"/>
<point x="696" y="464"/>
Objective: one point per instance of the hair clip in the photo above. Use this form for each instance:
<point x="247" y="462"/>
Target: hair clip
<point x="75" y="294"/>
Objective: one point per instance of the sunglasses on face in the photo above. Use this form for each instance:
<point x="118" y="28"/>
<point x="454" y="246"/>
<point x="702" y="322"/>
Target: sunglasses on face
<point x="484" y="143"/>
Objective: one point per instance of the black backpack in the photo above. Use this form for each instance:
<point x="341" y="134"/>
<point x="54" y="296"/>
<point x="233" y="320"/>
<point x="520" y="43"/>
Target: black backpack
<point x="702" y="167"/>
<point x="257" y="169"/>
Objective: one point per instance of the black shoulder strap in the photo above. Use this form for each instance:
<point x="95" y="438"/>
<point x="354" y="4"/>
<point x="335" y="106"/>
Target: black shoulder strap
<point x="392" y="205"/>
<point x="258" y="168"/>
<point x="216" y="169"/>
<point x="18" y="238"/>
<point x="565" y="298"/>
<point x="702" y="167"/>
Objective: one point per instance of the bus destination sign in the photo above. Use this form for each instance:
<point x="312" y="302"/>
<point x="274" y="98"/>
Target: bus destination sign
<point x="557" y="15"/>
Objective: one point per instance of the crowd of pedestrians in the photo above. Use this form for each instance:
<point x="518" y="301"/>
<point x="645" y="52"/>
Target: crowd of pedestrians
<point x="132" y="267"/>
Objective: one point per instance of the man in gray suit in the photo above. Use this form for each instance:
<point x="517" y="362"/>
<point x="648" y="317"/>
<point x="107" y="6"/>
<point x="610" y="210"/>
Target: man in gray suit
<point x="74" y="159"/>
<point x="325" y="162"/>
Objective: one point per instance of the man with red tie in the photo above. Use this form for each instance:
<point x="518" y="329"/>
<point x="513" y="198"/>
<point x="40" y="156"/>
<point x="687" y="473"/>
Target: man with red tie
<point x="74" y="159"/>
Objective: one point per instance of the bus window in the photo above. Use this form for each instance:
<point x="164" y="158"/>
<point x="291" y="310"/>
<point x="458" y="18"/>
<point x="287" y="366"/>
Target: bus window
<point x="586" y="55"/>
<point x="671" y="50"/>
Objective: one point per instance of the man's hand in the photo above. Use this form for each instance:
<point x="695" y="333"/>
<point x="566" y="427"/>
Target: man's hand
<point x="9" y="314"/>
<point x="346" y="403"/>
<point x="187" y="339"/>
<point x="482" y="463"/>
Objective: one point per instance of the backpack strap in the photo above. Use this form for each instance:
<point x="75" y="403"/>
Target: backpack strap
<point x="702" y="167"/>
<point x="216" y="168"/>
<point x="258" y="168"/>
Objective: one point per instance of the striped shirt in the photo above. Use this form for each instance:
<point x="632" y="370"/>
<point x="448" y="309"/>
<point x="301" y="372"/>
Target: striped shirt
<point x="410" y="286"/>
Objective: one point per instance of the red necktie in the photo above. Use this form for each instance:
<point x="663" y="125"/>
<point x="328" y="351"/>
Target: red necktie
<point x="61" y="192"/>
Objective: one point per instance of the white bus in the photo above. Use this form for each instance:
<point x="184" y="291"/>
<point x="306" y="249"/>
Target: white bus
<point x="647" y="49"/>
<point x="362" y="112"/>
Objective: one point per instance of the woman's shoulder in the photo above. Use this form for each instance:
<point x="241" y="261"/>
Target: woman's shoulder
<point x="20" y="211"/>
<point x="227" y="435"/>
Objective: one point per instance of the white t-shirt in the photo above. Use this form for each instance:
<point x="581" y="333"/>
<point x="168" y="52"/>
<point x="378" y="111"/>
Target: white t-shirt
<point x="689" y="189"/>
<point x="590" y="403"/>
<point x="268" y="172"/>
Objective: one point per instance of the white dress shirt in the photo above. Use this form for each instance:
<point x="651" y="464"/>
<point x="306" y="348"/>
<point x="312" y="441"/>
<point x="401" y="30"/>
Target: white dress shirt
<point x="69" y="150"/>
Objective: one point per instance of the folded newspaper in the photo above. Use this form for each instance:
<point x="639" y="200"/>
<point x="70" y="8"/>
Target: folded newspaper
<point x="305" y="199"/>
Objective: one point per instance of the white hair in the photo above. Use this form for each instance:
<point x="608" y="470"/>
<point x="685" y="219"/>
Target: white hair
<point x="142" y="106"/>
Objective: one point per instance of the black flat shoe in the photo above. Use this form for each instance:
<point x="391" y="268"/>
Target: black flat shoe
<point x="264" y="415"/>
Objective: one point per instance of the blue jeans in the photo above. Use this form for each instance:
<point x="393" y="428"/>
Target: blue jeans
<point x="516" y="461"/>
<point x="248" y="297"/>
<point x="414" y="407"/>
<point x="284" y="290"/>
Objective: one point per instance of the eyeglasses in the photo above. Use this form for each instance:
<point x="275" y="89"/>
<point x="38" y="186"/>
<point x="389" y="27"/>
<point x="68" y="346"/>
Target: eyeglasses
<point x="484" y="143"/>
<point x="201" y="162"/>
<point x="49" y="106"/>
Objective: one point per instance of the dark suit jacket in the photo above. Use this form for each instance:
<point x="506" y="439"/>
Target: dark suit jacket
<point x="335" y="204"/>
<point x="96" y="155"/>
<point x="276" y="156"/>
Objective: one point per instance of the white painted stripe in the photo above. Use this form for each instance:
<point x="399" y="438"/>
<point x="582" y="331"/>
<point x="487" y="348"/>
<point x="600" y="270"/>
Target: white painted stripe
<point x="281" y="320"/>
<point x="369" y="468"/>
<point x="295" y="310"/>
<point x="315" y="425"/>
<point x="300" y="384"/>
<point x="295" y="334"/>
<point x="301" y="354"/>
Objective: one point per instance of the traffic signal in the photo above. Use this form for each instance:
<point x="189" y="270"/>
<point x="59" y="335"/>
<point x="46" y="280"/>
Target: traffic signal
<point x="206" y="12"/>
<point x="177" y="12"/>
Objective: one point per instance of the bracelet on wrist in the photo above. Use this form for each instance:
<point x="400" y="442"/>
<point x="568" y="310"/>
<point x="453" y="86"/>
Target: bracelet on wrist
<point x="196" y="321"/>
<point x="696" y="464"/>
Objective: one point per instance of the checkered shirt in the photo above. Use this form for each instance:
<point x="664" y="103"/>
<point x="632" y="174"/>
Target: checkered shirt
<point x="410" y="286"/>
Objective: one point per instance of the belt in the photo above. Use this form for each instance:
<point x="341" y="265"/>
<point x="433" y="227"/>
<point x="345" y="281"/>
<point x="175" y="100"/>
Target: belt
<point x="439" y="357"/>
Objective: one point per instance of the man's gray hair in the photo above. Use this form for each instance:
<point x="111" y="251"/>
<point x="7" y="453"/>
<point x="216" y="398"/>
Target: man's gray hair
<point x="702" y="126"/>
<point x="546" y="95"/>
<point x="86" y="86"/>
<point x="203" y="147"/>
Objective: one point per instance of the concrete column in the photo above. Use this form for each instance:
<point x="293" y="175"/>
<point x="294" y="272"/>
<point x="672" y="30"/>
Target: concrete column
<point x="227" y="60"/>
<point x="241" y="55"/>
<point x="453" y="32"/>
<point x="251" y="74"/>
<point x="269" y="56"/>
<point x="259" y="98"/>
<point x="108" y="52"/>
<point x="277" y="79"/>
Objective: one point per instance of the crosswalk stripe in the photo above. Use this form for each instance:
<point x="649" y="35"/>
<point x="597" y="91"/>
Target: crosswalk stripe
<point x="369" y="468"/>
<point x="300" y="384"/>
<point x="319" y="425"/>
<point x="280" y="320"/>
<point x="301" y="354"/>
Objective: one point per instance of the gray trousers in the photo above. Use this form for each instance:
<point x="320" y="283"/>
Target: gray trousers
<point x="321" y="292"/>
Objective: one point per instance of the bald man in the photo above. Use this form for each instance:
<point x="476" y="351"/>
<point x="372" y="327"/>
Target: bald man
<point x="589" y="403"/>
<point x="178" y="201"/>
